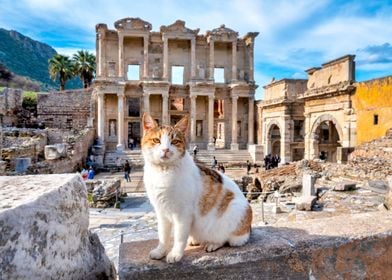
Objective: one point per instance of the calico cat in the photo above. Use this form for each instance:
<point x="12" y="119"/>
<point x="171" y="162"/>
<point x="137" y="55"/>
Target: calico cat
<point x="200" y="204"/>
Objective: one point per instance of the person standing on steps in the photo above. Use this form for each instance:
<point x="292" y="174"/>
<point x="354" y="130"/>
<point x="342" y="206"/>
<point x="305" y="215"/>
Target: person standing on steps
<point x="195" y="150"/>
<point x="127" y="171"/>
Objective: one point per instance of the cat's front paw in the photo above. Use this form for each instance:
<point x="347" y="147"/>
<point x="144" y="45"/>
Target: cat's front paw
<point x="157" y="253"/>
<point x="173" y="257"/>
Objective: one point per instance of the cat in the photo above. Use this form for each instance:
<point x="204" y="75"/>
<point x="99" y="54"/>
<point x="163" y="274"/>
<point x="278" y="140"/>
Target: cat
<point x="202" y="206"/>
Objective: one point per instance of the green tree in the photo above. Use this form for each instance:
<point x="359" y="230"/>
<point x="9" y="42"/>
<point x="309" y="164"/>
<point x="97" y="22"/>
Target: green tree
<point x="84" y="67"/>
<point x="60" y="66"/>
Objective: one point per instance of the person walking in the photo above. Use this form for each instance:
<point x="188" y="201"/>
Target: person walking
<point x="195" y="150"/>
<point x="214" y="162"/>
<point x="248" y="167"/>
<point x="127" y="171"/>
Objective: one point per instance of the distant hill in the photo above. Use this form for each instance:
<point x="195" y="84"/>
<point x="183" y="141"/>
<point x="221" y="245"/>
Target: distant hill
<point x="27" y="57"/>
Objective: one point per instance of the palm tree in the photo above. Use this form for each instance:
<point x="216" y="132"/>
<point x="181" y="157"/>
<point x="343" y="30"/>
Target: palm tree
<point x="60" y="66"/>
<point x="84" y="67"/>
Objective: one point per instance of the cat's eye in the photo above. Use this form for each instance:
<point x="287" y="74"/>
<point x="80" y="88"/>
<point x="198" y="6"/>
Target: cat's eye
<point x="175" y="142"/>
<point x="156" y="140"/>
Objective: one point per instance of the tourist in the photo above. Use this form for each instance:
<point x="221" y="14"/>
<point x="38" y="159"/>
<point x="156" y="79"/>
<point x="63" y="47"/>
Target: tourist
<point x="248" y="167"/>
<point x="91" y="173"/>
<point x="84" y="174"/>
<point x="214" y="163"/>
<point x="127" y="171"/>
<point x="195" y="150"/>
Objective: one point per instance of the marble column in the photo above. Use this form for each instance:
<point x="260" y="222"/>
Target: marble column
<point x="193" y="58"/>
<point x="146" y="102"/>
<point x="121" y="56"/>
<point x="234" y="112"/>
<point x="145" y="57"/>
<point x="193" y="119"/>
<point x="234" y="61"/>
<point x="165" y="58"/>
<point x="212" y="59"/>
<point x="251" y="63"/>
<point x="101" y="113"/>
<point x="211" y="145"/>
<point x="120" y="121"/>
<point x="100" y="55"/>
<point x="251" y="121"/>
<point x="165" y="109"/>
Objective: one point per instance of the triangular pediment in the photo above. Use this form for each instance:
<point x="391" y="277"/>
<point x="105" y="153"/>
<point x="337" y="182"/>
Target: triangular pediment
<point x="178" y="27"/>
<point x="132" y="24"/>
<point x="223" y="31"/>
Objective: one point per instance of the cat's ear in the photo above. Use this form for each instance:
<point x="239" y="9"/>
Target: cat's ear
<point x="182" y="125"/>
<point x="148" y="122"/>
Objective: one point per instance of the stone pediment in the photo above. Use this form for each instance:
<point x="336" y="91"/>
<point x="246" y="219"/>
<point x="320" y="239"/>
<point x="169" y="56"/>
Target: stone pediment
<point x="223" y="33"/>
<point x="178" y="27"/>
<point x="136" y="24"/>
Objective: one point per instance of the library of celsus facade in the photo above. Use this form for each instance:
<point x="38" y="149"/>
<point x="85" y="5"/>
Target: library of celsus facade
<point x="170" y="74"/>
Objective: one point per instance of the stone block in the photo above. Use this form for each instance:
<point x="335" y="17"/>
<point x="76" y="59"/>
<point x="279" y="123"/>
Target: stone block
<point x="308" y="181"/>
<point x="304" y="203"/>
<point x="44" y="230"/>
<point x="21" y="164"/>
<point x="388" y="195"/>
<point x="345" y="186"/>
<point x="55" y="151"/>
<point x="343" y="247"/>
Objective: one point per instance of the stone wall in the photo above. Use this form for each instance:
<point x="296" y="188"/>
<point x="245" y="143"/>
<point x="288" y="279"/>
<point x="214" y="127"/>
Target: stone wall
<point x="373" y="98"/>
<point x="44" y="230"/>
<point x="10" y="104"/>
<point x="333" y="72"/>
<point x="344" y="247"/>
<point x="69" y="109"/>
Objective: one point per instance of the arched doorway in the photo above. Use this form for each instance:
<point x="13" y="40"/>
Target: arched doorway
<point x="327" y="141"/>
<point x="274" y="140"/>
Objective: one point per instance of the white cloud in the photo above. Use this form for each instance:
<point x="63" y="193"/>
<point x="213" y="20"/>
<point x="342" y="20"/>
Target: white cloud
<point x="71" y="51"/>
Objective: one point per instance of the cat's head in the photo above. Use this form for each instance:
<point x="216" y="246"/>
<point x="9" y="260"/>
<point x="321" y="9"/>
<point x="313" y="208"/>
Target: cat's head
<point x="163" y="145"/>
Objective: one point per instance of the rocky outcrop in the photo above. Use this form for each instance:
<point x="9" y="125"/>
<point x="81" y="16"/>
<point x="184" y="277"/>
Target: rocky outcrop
<point x="44" y="230"/>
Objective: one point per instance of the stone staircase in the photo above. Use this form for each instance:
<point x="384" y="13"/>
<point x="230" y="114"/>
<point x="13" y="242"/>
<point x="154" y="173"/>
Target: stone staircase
<point x="227" y="157"/>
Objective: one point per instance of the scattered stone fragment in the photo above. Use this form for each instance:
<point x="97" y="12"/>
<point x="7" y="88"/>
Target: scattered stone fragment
<point x="345" y="186"/>
<point x="304" y="203"/>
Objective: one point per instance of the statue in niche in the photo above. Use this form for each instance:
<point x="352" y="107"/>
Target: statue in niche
<point x="201" y="71"/>
<point x="199" y="128"/>
<point x="112" y="128"/>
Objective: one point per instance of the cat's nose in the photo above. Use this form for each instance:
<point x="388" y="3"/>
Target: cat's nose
<point x="165" y="150"/>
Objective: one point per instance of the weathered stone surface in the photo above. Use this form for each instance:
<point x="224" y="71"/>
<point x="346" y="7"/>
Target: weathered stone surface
<point x="344" y="186"/>
<point x="304" y="203"/>
<point x="104" y="192"/>
<point x="388" y="195"/>
<point x="308" y="181"/>
<point x="55" y="151"/>
<point x="44" y="230"/>
<point x="356" y="246"/>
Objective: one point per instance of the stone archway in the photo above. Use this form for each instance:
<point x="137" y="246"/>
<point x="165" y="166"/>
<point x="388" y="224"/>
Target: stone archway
<point x="325" y="137"/>
<point x="274" y="138"/>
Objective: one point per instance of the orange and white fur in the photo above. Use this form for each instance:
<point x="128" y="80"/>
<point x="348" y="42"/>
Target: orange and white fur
<point x="201" y="206"/>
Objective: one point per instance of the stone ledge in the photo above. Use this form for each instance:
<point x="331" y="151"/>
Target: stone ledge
<point x="354" y="246"/>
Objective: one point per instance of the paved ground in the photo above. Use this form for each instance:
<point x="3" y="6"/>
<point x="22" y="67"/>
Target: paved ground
<point x="136" y="219"/>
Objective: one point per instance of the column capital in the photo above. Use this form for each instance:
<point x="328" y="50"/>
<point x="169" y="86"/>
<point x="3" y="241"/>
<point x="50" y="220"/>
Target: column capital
<point x="193" y="96"/>
<point x="146" y="94"/>
<point x="234" y="97"/>
<point x="120" y="94"/>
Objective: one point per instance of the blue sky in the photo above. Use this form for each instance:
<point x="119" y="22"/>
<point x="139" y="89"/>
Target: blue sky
<point x="294" y="35"/>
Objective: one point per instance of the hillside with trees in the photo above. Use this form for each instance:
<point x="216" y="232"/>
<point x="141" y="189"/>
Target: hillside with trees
<point x="28" y="59"/>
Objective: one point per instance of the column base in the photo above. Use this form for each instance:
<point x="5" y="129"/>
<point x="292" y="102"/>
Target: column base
<point x="211" y="147"/>
<point x="234" y="146"/>
<point x="120" y="148"/>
